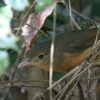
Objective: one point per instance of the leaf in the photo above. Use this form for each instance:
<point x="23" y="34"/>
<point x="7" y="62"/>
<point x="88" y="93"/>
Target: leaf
<point x="5" y="17"/>
<point x="17" y="4"/>
<point x="7" y="39"/>
<point x="4" y="61"/>
<point x="35" y="20"/>
<point x="41" y="4"/>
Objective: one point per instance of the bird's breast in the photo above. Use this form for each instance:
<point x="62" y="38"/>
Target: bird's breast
<point x="74" y="59"/>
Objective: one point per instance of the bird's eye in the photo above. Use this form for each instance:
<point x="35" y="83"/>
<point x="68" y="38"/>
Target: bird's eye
<point x="41" y="56"/>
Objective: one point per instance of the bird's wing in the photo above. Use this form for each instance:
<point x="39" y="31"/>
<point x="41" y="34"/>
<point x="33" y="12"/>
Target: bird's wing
<point x="81" y="40"/>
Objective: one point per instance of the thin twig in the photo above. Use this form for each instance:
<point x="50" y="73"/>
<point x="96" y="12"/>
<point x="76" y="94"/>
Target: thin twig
<point x="92" y="59"/>
<point x="31" y="27"/>
<point x="64" y="77"/>
<point x="70" y="13"/>
<point x="25" y="16"/>
<point x="13" y="74"/>
<point x="82" y="16"/>
<point x="92" y="78"/>
<point x="58" y="82"/>
<point x="96" y="39"/>
<point x="72" y="89"/>
<point x="26" y="81"/>
<point x="55" y="98"/>
<point x="52" y="52"/>
<point x="75" y="23"/>
<point x="25" y="85"/>
<point x="73" y="79"/>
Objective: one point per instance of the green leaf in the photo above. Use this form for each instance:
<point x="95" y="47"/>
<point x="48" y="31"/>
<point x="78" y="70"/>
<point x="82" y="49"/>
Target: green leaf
<point x="44" y="2"/>
<point x="5" y="17"/>
<point x="7" y="39"/>
<point x="4" y="61"/>
<point x="17" y="4"/>
<point x="39" y="7"/>
<point x="41" y="4"/>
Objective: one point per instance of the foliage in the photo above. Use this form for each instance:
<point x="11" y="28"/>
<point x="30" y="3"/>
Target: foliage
<point x="17" y="4"/>
<point x="41" y="4"/>
<point x="7" y="39"/>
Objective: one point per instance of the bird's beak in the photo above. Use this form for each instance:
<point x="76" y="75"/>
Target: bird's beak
<point x="26" y="62"/>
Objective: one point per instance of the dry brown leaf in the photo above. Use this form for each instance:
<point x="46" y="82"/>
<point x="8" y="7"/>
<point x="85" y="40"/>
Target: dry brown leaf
<point x="36" y="20"/>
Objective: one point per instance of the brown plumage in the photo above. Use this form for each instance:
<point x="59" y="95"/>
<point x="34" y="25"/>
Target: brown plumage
<point x="70" y="50"/>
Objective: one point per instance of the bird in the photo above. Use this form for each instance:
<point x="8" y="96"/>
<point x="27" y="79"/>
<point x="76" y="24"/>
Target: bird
<point x="70" y="50"/>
